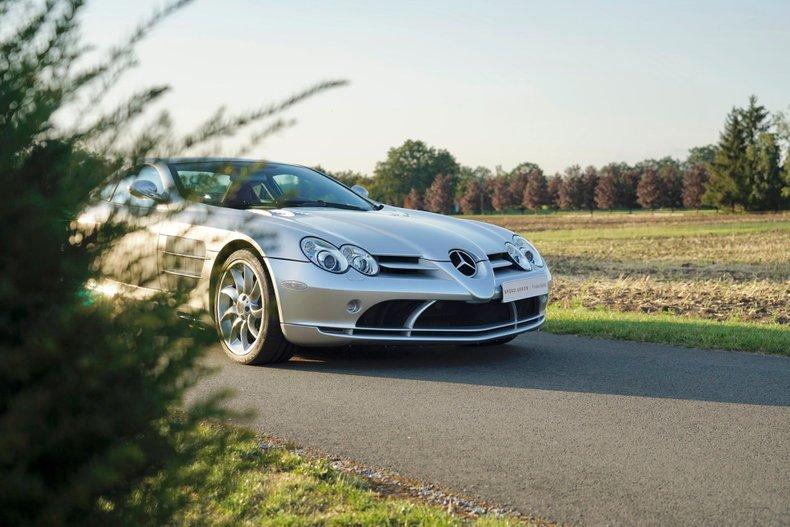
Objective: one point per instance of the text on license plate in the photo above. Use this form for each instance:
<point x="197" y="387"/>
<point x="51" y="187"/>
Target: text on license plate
<point x="524" y="288"/>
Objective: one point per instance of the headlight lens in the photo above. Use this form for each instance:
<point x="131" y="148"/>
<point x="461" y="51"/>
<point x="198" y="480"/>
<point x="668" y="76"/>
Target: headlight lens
<point x="518" y="257"/>
<point x="528" y="250"/>
<point x="360" y="259"/>
<point x="324" y="255"/>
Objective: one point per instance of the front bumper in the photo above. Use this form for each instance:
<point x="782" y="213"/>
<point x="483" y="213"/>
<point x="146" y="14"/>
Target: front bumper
<point x="313" y="305"/>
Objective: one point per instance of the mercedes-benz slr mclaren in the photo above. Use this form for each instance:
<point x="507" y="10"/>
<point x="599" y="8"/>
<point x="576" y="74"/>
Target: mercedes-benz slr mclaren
<point x="278" y="256"/>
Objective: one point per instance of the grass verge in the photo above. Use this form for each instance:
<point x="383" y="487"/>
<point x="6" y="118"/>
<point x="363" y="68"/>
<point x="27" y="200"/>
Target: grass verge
<point x="237" y="480"/>
<point x="670" y="329"/>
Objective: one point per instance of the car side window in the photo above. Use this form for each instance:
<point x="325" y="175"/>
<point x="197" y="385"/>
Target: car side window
<point x="293" y="187"/>
<point x="122" y="196"/>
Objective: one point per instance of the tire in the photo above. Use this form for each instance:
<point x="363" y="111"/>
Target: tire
<point x="245" y="312"/>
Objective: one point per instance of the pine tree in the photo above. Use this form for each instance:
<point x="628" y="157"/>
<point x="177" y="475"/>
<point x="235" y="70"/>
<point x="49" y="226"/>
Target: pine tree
<point x="694" y="180"/>
<point x="759" y="155"/>
<point x="413" y="200"/>
<point x="741" y="173"/>
<point x="650" y="192"/>
<point x="535" y="190"/>
<point x="439" y="196"/>
<point x="727" y="172"/>
<point x="767" y="183"/>
<point x="755" y="120"/>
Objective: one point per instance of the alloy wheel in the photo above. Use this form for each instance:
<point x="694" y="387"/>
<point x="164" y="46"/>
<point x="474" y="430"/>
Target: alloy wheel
<point x="240" y="307"/>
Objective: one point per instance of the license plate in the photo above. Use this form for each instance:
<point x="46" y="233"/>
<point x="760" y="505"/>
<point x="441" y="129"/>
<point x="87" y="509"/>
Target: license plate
<point x="524" y="288"/>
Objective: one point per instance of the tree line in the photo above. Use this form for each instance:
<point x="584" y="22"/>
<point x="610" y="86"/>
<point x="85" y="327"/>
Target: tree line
<point x="743" y="171"/>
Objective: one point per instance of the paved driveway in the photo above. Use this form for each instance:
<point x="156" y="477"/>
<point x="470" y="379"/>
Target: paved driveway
<point x="579" y="430"/>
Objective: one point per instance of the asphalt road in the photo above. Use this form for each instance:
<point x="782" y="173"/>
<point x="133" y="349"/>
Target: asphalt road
<point x="578" y="430"/>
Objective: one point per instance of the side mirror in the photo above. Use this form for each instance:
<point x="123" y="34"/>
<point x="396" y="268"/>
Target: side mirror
<point x="142" y="188"/>
<point x="359" y="189"/>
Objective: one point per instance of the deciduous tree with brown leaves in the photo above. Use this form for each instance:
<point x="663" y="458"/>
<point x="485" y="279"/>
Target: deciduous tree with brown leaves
<point x="589" y="181"/>
<point x="535" y="190"/>
<point x="694" y="180"/>
<point x="671" y="186"/>
<point x="413" y="200"/>
<point x="501" y="198"/>
<point x="474" y="199"/>
<point x="570" y="194"/>
<point x="649" y="191"/>
<point x="606" y="190"/>
<point x="627" y="179"/>
<point x="518" y="178"/>
<point x="439" y="196"/>
<point x="553" y="191"/>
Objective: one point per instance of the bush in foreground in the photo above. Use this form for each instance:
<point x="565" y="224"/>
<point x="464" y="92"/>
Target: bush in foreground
<point x="89" y="388"/>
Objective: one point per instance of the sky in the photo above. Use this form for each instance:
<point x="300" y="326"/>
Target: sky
<point x="495" y="83"/>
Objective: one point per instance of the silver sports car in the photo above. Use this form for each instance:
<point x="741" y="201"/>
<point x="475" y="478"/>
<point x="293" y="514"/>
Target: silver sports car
<point x="278" y="256"/>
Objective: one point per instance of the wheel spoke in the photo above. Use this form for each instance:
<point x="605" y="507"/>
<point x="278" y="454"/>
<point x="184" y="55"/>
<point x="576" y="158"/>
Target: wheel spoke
<point x="255" y="294"/>
<point x="257" y="312"/>
<point x="230" y="312"/>
<point x="249" y="280"/>
<point x="244" y="335"/>
<point x="254" y="330"/>
<point x="230" y="291"/>
<point x="238" y="279"/>
<point x="235" y="328"/>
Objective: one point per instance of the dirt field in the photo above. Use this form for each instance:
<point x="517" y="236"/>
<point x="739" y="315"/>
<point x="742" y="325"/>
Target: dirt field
<point x="703" y="264"/>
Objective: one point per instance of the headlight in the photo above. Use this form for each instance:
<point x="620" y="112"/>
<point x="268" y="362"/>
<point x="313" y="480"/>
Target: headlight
<point x="518" y="257"/>
<point x="360" y="259"/>
<point x="528" y="250"/>
<point x="324" y="255"/>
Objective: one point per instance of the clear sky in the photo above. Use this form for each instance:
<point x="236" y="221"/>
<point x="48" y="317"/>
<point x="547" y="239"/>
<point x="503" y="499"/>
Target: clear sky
<point x="496" y="83"/>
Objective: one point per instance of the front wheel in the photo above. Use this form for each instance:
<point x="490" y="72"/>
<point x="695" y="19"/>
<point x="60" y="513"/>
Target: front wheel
<point x="245" y="312"/>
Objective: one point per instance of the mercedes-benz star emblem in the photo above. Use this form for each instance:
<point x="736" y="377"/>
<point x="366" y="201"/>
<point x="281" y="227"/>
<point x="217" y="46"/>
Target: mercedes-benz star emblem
<point x="463" y="262"/>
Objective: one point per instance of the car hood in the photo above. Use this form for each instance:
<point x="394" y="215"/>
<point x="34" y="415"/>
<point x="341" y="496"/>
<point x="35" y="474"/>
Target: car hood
<point x="393" y="231"/>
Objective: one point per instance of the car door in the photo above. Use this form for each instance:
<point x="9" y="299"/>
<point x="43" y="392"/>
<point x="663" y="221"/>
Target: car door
<point x="182" y="235"/>
<point x="131" y="259"/>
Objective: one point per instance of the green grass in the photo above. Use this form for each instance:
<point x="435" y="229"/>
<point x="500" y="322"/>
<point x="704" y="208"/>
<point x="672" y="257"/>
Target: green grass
<point x="706" y="280"/>
<point x="236" y="482"/>
<point x="669" y="231"/>
<point x="669" y="329"/>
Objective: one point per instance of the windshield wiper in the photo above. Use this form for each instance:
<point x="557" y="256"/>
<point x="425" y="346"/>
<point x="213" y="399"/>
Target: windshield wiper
<point x="317" y="203"/>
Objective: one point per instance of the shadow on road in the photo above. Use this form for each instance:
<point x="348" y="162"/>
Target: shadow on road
<point x="567" y="363"/>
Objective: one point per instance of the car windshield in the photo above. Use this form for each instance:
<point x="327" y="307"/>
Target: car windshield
<point x="247" y="184"/>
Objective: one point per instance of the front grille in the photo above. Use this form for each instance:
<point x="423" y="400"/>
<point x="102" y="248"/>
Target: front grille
<point x="403" y="265"/>
<point x="502" y="264"/>
<point x="443" y="318"/>
<point x="527" y="308"/>
<point x="389" y="314"/>
<point x="456" y="314"/>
